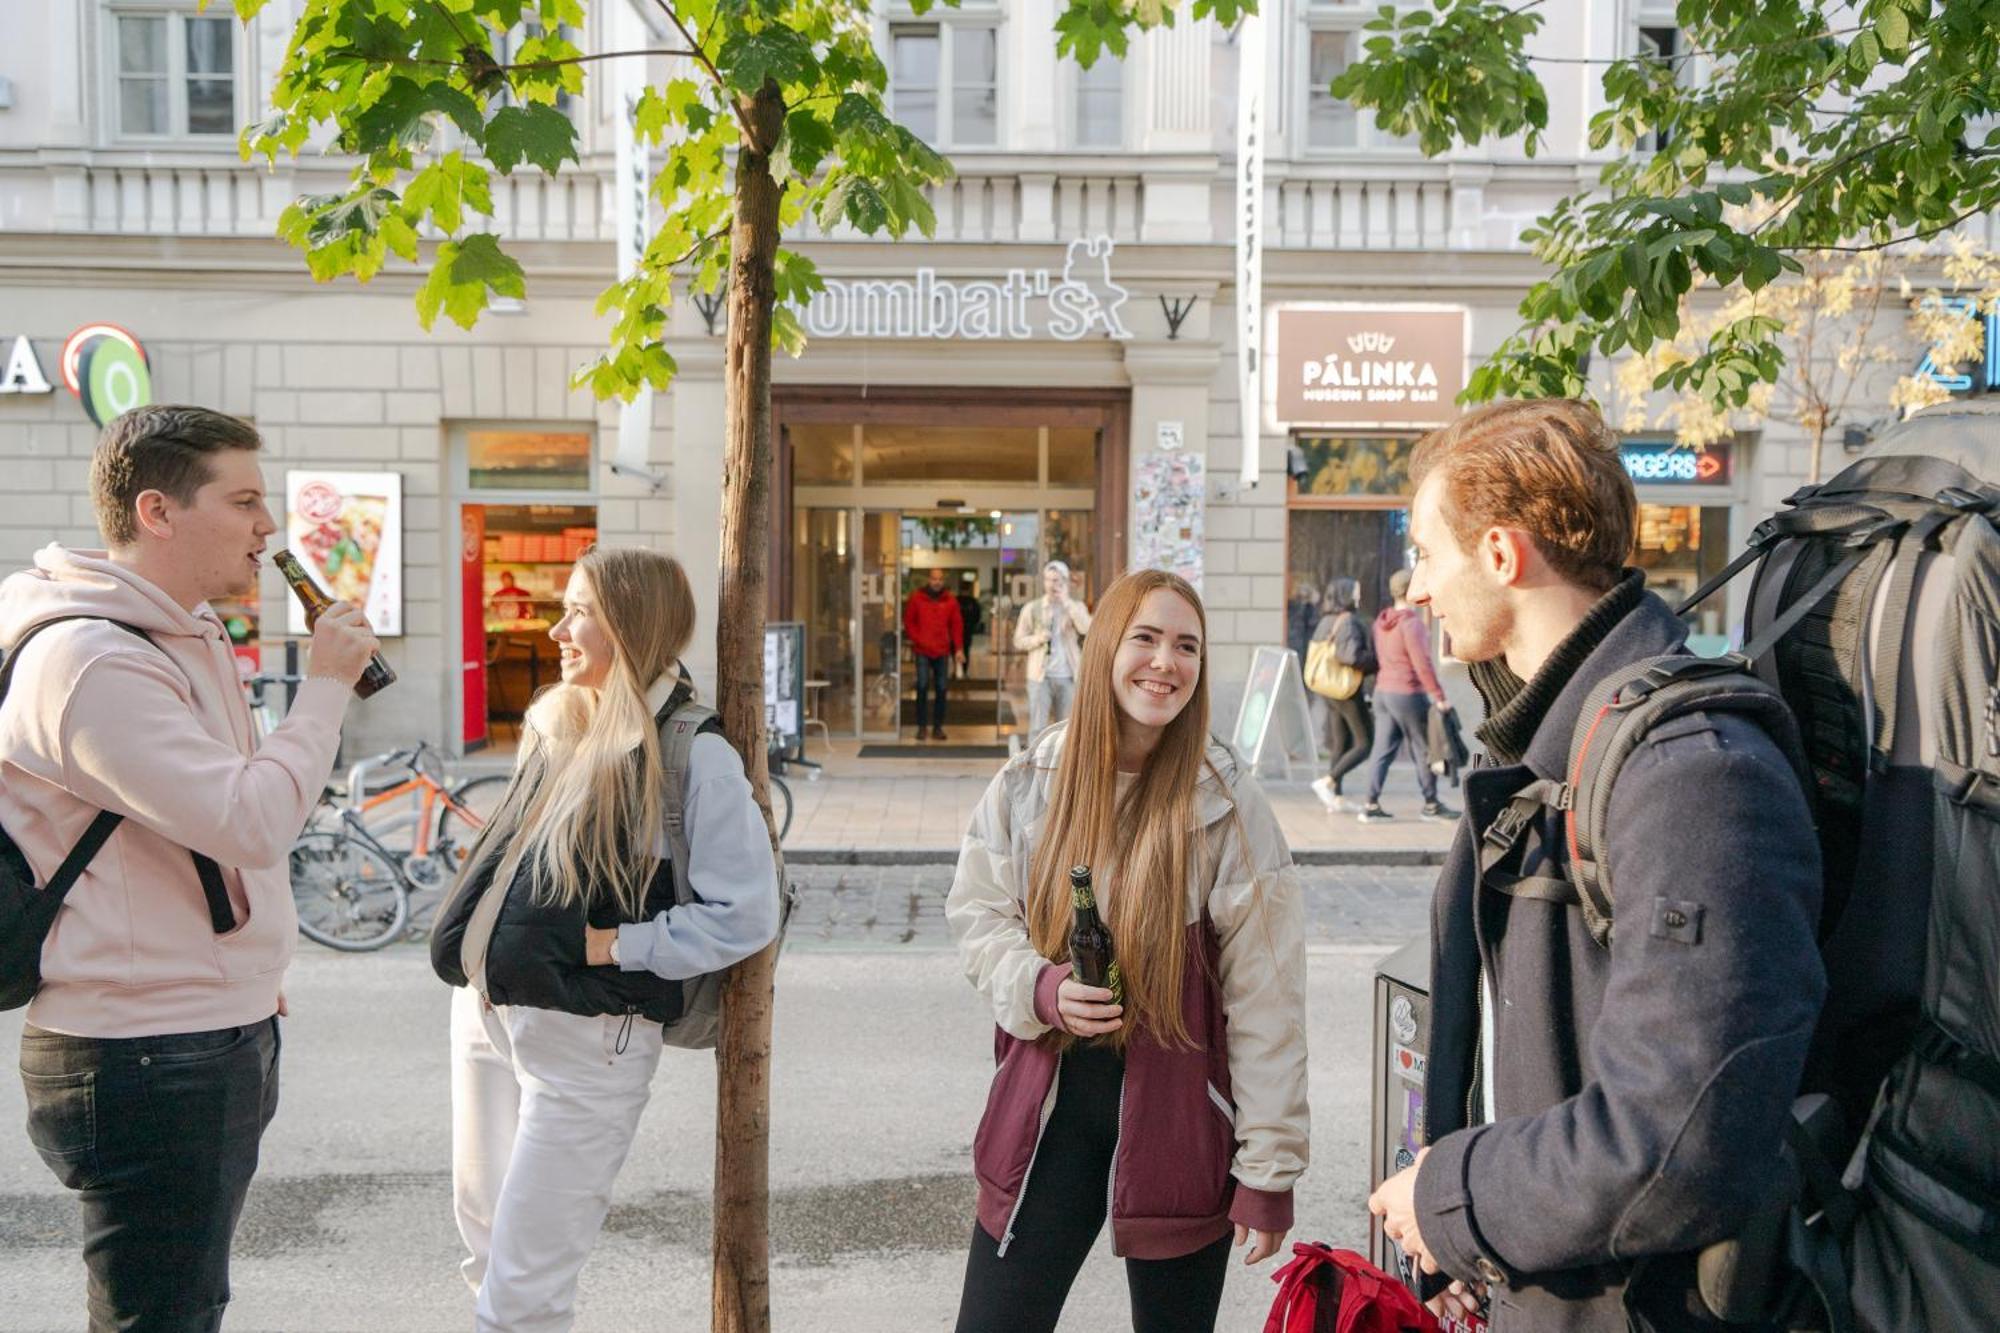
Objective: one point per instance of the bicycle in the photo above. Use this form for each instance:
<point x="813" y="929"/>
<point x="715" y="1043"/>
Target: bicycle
<point x="353" y="887"/>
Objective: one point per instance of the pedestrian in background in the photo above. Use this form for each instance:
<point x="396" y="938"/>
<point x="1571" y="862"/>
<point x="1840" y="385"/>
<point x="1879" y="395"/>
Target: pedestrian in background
<point x="150" y="1053"/>
<point x="971" y="615"/>
<point x="566" y="946"/>
<point x="1406" y="689"/>
<point x="1050" y="631"/>
<point x="1345" y="723"/>
<point x="1192" y="1093"/>
<point x="1302" y="616"/>
<point x="935" y="628"/>
<point x="1596" y="1112"/>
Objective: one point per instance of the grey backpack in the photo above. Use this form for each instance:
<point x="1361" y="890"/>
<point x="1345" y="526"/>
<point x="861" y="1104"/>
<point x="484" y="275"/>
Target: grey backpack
<point x="1874" y="661"/>
<point x="458" y="950"/>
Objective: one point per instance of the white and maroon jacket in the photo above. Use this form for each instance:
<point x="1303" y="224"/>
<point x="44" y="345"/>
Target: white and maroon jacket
<point x="1211" y="1134"/>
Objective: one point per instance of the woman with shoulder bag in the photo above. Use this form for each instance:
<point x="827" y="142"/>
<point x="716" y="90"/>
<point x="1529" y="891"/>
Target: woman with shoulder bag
<point x="1182" y="1111"/>
<point x="1346" y="723"/>
<point x="565" y="942"/>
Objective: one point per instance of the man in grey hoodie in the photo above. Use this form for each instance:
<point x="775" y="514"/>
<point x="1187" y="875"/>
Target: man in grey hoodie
<point x="150" y="1054"/>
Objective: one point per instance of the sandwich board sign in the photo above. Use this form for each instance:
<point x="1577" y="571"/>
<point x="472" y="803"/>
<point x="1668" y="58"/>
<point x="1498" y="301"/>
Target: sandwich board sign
<point x="1274" y="731"/>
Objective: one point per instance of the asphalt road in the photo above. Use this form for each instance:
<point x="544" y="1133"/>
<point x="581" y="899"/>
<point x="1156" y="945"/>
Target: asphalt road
<point x="880" y="1072"/>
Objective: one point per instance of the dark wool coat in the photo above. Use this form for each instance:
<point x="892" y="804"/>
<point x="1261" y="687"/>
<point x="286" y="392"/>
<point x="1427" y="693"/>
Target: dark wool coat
<point x="1642" y="1091"/>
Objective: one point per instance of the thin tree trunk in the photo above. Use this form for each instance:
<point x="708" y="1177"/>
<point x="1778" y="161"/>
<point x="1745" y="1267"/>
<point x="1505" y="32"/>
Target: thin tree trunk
<point x="741" y="1289"/>
<point x="1817" y="424"/>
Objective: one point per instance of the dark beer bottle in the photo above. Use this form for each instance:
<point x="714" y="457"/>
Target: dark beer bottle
<point x="1090" y="939"/>
<point x="313" y="598"/>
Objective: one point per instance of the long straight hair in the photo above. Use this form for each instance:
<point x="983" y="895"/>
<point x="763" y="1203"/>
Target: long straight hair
<point x="1145" y="841"/>
<point x="584" y="807"/>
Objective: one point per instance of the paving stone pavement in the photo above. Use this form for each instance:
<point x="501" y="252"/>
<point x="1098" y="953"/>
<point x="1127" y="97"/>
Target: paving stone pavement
<point x="903" y="906"/>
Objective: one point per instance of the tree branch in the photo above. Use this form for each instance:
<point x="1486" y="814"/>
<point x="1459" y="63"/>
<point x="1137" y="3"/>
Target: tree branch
<point x="701" y="244"/>
<point x="452" y="19"/>
<point x="529" y="64"/>
<point x="1818" y="174"/>
<point x="1923" y="235"/>
<point x="742" y="121"/>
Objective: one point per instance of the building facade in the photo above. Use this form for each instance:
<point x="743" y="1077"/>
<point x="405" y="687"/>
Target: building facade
<point x="1052" y="375"/>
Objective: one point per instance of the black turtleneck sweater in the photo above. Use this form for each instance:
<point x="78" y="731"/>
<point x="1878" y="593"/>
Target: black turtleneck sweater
<point x="1515" y="708"/>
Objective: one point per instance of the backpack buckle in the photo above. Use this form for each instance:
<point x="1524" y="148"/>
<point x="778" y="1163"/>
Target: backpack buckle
<point x="1508" y="825"/>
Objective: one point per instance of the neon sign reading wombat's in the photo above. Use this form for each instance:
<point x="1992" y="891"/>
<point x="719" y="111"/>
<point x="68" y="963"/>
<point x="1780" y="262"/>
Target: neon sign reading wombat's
<point x="1026" y="304"/>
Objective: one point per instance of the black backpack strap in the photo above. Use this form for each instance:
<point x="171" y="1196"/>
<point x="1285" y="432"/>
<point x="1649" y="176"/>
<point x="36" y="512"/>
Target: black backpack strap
<point x="1503" y="836"/>
<point x="80" y="856"/>
<point x="221" y="915"/>
<point x="1616" y="718"/>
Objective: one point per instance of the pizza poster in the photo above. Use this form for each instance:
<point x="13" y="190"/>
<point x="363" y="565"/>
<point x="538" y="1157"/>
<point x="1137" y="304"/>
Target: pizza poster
<point x="346" y="528"/>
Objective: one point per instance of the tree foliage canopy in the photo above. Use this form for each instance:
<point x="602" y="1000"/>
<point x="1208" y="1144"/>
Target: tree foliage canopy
<point x="432" y="97"/>
<point x="418" y="93"/>
<point x="1779" y="128"/>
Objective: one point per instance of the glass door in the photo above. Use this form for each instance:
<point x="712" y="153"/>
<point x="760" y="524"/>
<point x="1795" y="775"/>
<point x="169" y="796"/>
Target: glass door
<point x="823" y="597"/>
<point x="1019" y="583"/>
<point x="881" y="623"/>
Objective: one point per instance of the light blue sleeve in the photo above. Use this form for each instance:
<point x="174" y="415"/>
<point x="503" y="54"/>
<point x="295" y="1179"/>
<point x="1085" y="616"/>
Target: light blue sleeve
<point x="730" y="868"/>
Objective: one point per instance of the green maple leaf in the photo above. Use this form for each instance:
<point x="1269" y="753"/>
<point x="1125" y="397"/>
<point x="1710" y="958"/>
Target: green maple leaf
<point x="535" y="133"/>
<point x="398" y="116"/>
<point x="778" y="54"/>
<point x="465" y="276"/>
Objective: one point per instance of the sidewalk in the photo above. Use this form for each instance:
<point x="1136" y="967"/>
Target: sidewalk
<point x="914" y="812"/>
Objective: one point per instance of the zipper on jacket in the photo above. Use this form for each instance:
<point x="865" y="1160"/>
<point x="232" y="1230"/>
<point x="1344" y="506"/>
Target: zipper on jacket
<point x="1117" y="1137"/>
<point x="1042" y="1127"/>
<point x="1475" y="1086"/>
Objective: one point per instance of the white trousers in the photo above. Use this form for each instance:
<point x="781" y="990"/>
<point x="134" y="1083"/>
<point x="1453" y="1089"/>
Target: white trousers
<point x="544" y="1107"/>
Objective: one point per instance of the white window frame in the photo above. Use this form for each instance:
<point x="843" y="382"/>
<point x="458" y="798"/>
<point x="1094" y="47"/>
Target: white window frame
<point x="1685" y="72"/>
<point x="509" y="43"/>
<point x="176" y="13"/>
<point x="1317" y="16"/>
<point x="1072" y="86"/>
<point x="946" y="25"/>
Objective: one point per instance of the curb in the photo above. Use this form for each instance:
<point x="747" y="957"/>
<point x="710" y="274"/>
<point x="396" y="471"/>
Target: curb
<point x="945" y="856"/>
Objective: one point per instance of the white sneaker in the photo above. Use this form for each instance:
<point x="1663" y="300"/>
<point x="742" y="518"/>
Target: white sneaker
<point x="1323" y="788"/>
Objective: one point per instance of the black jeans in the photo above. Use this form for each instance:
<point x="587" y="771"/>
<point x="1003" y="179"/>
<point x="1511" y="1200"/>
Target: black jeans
<point x="1401" y="718"/>
<point x="933" y="674"/>
<point x="158" y="1137"/>
<point x="1349" y="734"/>
<point x="1023" y="1291"/>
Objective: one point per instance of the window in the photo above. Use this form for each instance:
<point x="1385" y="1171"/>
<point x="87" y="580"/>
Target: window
<point x="1660" y="44"/>
<point x="507" y="50"/>
<point x="1100" y="103"/>
<point x="1330" y="120"/>
<point x="176" y="74"/>
<point x="944" y="82"/>
<point x="1332" y="123"/>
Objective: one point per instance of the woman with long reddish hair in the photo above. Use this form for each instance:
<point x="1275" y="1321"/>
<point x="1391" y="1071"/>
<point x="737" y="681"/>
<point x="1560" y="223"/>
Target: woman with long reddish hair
<point x="1181" y="1112"/>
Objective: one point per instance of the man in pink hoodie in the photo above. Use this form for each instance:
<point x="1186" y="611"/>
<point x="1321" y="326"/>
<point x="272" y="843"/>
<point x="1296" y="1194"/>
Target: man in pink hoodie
<point x="1406" y="689"/>
<point x="150" y="1054"/>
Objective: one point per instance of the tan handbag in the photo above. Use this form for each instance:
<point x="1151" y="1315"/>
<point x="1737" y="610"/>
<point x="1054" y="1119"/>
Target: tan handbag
<point x="1328" y="676"/>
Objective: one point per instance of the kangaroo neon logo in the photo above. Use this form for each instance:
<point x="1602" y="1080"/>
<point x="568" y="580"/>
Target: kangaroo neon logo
<point x="1082" y="301"/>
<point x="107" y="369"/>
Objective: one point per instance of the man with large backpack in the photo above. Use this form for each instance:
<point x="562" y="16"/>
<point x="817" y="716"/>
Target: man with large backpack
<point x="150" y="1054"/>
<point x="1602" y="1102"/>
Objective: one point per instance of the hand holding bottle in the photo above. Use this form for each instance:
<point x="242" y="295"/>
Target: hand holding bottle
<point x="1087" y="1011"/>
<point x="342" y="644"/>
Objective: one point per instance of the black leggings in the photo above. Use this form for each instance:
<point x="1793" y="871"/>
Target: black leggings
<point x="1023" y="1292"/>
<point x="1350" y="734"/>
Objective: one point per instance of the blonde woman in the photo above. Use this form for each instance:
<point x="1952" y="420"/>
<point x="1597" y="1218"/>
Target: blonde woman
<point x="1184" y="1110"/>
<point x="565" y="944"/>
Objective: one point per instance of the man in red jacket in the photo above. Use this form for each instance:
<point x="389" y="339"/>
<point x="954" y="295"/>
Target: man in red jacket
<point x="935" y="627"/>
<point x="1406" y="689"/>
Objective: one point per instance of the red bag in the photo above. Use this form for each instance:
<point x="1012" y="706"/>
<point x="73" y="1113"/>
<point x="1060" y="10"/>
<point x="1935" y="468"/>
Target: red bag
<point x="1324" y="1290"/>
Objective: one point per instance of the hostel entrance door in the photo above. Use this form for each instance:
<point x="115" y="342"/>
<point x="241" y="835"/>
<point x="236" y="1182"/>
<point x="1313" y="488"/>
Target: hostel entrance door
<point x="878" y="492"/>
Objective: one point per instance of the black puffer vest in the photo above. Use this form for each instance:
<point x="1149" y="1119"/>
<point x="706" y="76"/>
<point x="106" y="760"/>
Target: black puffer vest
<point x="536" y="956"/>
